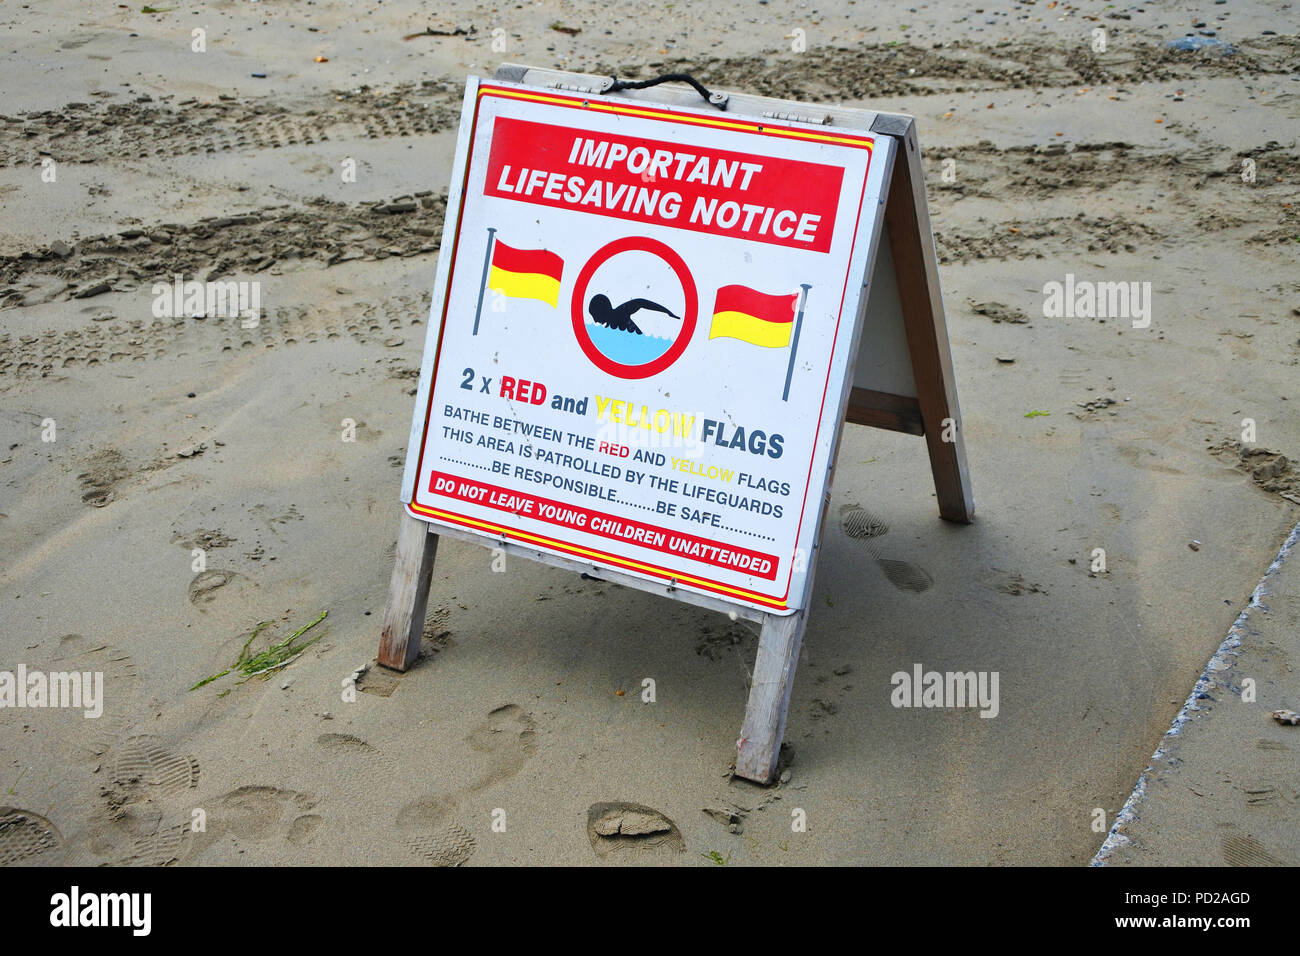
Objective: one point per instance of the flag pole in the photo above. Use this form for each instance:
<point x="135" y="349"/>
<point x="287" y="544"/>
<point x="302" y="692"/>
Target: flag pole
<point x="482" y="285"/>
<point x="794" y="345"/>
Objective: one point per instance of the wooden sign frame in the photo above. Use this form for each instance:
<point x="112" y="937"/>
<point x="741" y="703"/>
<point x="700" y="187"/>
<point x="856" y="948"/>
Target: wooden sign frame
<point x="903" y="306"/>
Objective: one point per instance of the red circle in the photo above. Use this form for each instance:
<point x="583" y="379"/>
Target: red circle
<point x="674" y="351"/>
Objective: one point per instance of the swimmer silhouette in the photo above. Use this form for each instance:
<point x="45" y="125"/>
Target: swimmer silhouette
<point x="621" y="318"/>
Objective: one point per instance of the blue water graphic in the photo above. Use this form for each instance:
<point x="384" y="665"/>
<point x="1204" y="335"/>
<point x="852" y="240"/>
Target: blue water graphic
<point x="627" y="348"/>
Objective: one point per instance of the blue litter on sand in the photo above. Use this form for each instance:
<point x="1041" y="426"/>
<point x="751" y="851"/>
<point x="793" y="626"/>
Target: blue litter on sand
<point x="260" y="76"/>
<point x="1201" y="43"/>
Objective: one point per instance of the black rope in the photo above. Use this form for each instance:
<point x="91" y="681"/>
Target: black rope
<point x="715" y="99"/>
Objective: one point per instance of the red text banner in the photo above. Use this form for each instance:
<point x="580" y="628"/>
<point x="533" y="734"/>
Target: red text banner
<point x="759" y="198"/>
<point x="564" y="515"/>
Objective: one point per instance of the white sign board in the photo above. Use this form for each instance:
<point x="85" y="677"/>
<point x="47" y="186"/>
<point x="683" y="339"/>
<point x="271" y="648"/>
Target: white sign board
<point x="641" y="333"/>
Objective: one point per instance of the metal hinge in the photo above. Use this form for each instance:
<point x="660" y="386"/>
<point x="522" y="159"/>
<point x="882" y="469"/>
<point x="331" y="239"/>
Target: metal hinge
<point x="575" y="88"/>
<point x="823" y="120"/>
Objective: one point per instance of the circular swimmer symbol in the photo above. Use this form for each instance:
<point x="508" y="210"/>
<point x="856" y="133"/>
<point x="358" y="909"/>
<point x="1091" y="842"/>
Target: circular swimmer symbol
<point x="613" y="340"/>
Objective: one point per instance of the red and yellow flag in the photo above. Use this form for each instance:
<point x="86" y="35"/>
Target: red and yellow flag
<point x="739" y="312"/>
<point x="526" y="273"/>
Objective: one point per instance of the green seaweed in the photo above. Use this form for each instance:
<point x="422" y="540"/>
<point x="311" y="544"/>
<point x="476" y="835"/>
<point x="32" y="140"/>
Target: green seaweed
<point x="273" y="658"/>
<point x="209" y="680"/>
<point x="243" y="651"/>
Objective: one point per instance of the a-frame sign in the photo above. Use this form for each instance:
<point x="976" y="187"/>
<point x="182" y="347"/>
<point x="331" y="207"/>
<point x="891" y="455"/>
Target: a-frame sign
<point x="651" y="318"/>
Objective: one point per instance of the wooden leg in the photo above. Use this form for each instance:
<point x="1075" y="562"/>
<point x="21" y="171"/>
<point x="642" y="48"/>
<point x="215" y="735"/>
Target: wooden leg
<point x="759" y="746"/>
<point x="408" y="594"/>
<point x="908" y="220"/>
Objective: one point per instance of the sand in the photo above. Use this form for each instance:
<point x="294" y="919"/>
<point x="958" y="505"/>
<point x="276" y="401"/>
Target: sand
<point x="1221" y="787"/>
<point x="521" y="735"/>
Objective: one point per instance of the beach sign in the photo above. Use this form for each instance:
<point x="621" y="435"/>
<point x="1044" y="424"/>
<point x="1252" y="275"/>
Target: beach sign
<point x="650" y="320"/>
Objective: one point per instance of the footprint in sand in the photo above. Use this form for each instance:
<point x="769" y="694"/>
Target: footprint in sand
<point x="27" y="836"/>
<point x="432" y="835"/>
<point x="858" y="522"/>
<point x="1011" y="582"/>
<point x="82" y="739"/>
<point x="450" y="846"/>
<point x="863" y="525"/>
<point x="302" y="829"/>
<point x="138" y="837"/>
<point x="1245" y="850"/>
<point x="351" y="766"/>
<point x="148" y="824"/>
<point x="509" y="736"/>
<point x="104" y="471"/>
<point x="906" y="576"/>
<point x="345" y="744"/>
<point x="631" y="829"/>
<point x="206" y="586"/>
<point x="144" y="769"/>
<point x="258" y="812"/>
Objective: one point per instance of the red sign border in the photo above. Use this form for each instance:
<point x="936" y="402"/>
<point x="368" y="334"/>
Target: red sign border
<point x="734" y="123"/>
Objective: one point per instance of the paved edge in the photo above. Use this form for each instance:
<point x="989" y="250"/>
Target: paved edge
<point x="1220" y="662"/>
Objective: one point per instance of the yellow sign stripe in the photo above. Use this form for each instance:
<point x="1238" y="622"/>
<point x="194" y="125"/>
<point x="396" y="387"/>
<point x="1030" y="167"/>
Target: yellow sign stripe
<point x="684" y="118"/>
<point x="525" y="285"/>
<point x="596" y="555"/>
<point x="749" y="328"/>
